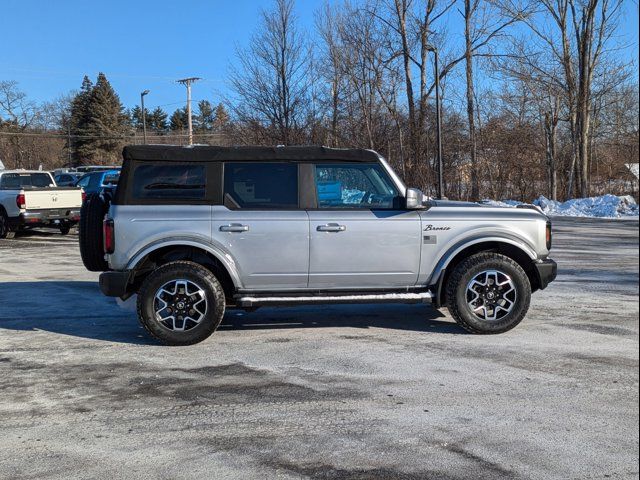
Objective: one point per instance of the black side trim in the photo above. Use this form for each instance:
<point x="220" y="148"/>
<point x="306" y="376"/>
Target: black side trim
<point x="114" y="284"/>
<point x="547" y="272"/>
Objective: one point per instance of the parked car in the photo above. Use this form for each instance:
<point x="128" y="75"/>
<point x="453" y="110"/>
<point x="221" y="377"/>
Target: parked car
<point x="97" y="182"/>
<point x="32" y="199"/>
<point x="95" y="168"/>
<point x="195" y="230"/>
<point x="67" y="179"/>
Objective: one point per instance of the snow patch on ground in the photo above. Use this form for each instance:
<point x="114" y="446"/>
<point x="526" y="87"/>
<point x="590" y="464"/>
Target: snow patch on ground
<point x="605" y="206"/>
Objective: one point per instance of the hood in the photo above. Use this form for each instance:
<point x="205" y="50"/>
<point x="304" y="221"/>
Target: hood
<point x="452" y="203"/>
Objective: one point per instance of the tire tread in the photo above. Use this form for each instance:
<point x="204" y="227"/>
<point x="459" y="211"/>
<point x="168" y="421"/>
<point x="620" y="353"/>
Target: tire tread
<point x="195" y="269"/>
<point x="92" y="215"/>
<point x="456" y="277"/>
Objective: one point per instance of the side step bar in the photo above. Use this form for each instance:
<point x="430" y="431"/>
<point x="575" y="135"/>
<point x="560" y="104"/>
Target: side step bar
<point x="248" y="301"/>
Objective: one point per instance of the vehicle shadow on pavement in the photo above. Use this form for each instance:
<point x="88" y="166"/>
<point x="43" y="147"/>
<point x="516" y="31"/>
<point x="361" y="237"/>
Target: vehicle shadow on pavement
<point x="77" y="308"/>
<point x="418" y="318"/>
<point x="71" y="308"/>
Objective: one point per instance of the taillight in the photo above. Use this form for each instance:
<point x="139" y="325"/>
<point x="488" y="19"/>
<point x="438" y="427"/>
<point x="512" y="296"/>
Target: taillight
<point x="108" y="231"/>
<point x="549" y="235"/>
<point x="84" y="196"/>
<point x="20" y="201"/>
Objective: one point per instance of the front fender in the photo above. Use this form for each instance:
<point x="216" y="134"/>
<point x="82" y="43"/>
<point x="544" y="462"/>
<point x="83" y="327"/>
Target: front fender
<point x="481" y="235"/>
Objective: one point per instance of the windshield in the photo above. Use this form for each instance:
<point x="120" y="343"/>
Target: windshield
<point x="26" y="180"/>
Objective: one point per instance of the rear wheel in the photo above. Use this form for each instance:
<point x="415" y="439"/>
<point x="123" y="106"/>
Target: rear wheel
<point x="64" y="228"/>
<point x="488" y="293"/>
<point x="181" y="303"/>
<point x="5" y="230"/>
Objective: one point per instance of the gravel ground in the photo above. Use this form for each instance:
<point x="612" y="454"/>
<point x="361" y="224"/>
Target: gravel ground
<point x="340" y="392"/>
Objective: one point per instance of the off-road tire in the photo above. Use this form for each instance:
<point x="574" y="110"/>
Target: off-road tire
<point x="92" y="215"/>
<point x="181" y="270"/>
<point x="5" y="231"/>
<point x="467" y="270"/>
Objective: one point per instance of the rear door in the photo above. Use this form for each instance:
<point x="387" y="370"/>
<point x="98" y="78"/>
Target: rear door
<point x="360" y="235"/>
<point x="262" y="225"/>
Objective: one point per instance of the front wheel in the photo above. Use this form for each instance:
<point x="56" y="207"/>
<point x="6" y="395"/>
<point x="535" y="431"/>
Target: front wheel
<point x="181" y="303"/>
<point x="488" y="293"/>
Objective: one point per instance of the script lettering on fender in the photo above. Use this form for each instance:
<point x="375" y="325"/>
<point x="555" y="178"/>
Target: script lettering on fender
<point x="431" y="228"/>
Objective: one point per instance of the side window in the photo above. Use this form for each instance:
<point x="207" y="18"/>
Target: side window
<point x="83" y="182"/>
<point x="354" y="186"/>
<point x="26" y="180"/>
<point x="10" y="180"/>
<point x="261" y="185"/>
<point x="169" y="182"/>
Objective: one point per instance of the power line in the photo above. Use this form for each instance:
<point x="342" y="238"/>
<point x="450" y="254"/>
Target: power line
<point x="103" y="137"/>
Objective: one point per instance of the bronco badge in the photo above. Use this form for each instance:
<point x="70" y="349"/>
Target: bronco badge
<point x="431" y="228"/>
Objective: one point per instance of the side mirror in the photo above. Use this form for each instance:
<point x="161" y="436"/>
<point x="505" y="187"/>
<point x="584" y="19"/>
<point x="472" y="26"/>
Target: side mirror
<point x="414" y="198"/>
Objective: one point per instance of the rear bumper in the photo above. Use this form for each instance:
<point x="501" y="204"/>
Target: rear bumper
<point x="115" y="284"/>
<point x="47" y="217"/>
<point x="547" y="272"/>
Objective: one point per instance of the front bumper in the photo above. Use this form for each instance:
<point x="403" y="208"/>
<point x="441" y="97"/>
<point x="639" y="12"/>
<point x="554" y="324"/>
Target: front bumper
<point x="115" y="284"/>
<point x="547" y="272"/>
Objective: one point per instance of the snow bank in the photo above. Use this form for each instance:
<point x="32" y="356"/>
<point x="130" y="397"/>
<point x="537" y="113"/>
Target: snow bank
<point x="606" y="206"/>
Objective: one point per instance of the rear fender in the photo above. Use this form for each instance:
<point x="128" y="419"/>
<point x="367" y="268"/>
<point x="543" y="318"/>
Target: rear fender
<point x="218" y="252"/>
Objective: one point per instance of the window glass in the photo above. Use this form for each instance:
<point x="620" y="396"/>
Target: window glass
<point x="25" y="180"/>
<point x="169" y="182"/>
<point x="261" y="185"/>
<point x="354" y="186"/>
<point x="110" y="179"/>
<point x="84" y="181"/>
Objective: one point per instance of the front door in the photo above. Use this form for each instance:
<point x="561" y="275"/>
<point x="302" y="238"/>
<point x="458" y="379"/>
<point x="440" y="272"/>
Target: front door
<point x="262" y="226"/>
<point x="360" y="235"/>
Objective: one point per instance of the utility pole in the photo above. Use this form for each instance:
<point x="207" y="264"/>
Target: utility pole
<point x="68" y="122"/>
<point x="144" y="117"/>
<point x="440" y="190"/>
<point x="187" y="83"/>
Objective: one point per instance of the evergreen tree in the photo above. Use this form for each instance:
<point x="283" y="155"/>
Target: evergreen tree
<point x="99" y="120"/>
<point x="178" y="120"/>
<point x="205" y="117"/>
<point x="135" y="116"/>
<point x="80" y="117"/>
<point x="157" y="120"/>
<point x="221" y="119"/>
<point x="105" y="124"/>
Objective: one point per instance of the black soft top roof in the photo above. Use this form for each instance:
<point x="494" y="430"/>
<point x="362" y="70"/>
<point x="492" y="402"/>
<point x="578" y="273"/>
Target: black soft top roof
<point x="198" y="153"/>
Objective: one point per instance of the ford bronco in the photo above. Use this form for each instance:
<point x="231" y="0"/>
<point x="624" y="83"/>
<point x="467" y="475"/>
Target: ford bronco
<point x="195" y="230"/>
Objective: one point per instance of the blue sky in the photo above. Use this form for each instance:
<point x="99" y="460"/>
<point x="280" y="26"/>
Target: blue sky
<point x="47" y="46"/>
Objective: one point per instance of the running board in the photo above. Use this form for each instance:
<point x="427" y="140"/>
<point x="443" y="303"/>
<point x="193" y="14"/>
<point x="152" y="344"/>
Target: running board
<point x="248" y="301"/>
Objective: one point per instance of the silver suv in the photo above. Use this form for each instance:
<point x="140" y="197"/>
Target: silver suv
<point x="195" y="230"/>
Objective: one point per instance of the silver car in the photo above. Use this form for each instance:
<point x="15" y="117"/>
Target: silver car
<point x="195" y="230"/>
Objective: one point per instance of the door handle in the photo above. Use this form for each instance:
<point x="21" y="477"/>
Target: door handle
<point x="331" y="227"/>
<point x="234" y="227"/>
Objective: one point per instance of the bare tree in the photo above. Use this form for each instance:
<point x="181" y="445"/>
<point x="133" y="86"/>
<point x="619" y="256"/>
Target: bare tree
<point x="580" y="30"/>
<point x="484" y="22"/>
<point x="15" y="107"/>
<point x="271" y="82"/>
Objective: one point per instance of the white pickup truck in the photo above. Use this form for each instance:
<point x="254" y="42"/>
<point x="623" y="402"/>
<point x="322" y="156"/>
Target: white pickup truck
<point x="30" y="198"/>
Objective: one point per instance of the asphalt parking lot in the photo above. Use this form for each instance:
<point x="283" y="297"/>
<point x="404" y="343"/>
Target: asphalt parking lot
<point x="326" y="393"/>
